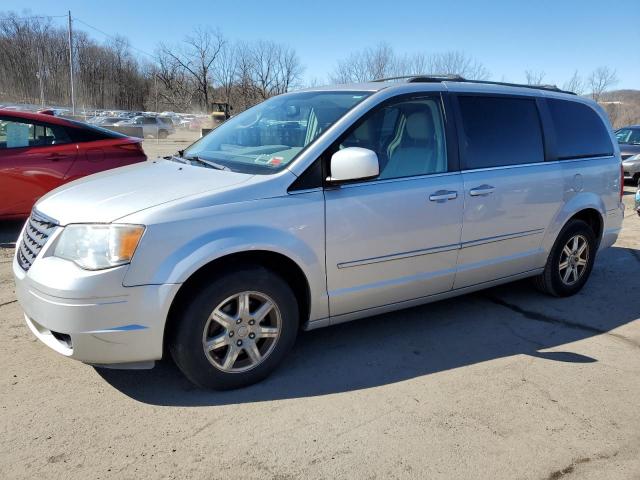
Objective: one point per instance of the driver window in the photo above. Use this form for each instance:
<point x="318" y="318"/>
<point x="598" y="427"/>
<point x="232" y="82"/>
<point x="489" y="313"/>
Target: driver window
<point x="407" y="135"/>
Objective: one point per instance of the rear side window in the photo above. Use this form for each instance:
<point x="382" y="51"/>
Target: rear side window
<point x="88" y="134"/>
<point x="499" y="131"/>
<point x="580" y="132"/>
<point x="21" y="134"/>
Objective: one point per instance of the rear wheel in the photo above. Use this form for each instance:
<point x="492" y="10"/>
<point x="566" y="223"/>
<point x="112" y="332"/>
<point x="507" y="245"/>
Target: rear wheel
<point x="570" y="261"/>
<point x="236" y="330"/>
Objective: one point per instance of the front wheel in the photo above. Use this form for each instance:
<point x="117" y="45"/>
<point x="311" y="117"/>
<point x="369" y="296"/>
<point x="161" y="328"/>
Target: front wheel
<point x="236" y="330"/>
<point x="570" y="261"/>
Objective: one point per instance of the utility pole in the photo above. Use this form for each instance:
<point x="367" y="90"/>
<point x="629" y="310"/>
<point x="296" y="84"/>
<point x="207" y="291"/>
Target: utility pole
<point x="73" y="98"/>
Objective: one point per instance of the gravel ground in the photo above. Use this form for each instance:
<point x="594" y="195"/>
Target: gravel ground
<point x="501" y="384"/>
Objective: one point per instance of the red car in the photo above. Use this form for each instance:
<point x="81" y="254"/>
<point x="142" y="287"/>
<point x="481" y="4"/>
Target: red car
<point x="40" y="152"/>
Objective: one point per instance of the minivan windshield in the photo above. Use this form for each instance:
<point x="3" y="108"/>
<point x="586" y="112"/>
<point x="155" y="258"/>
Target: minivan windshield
<point x="267" y="137"/>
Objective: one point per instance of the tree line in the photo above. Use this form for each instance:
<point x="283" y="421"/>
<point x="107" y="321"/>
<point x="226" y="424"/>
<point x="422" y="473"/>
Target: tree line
<point x="207" y="67"/>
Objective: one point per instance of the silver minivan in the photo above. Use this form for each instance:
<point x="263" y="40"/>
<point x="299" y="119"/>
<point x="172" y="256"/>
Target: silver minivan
<point x="318" y="207"/>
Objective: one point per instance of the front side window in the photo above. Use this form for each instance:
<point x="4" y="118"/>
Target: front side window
<point x="407" y="136"/>
<point x="15" y="134"/>
<point x="499" y="131"/>
<point x="628" y="136"/>
<point x="269" y="136"/>
<point x="580" y="133"/>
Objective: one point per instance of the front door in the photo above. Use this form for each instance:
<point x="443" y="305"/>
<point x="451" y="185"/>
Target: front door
<point x="396" y="237"/>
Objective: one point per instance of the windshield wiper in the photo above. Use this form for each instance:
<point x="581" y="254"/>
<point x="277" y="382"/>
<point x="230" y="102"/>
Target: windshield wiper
<point x="173" y="158"/>
<point x="209" y="163"/>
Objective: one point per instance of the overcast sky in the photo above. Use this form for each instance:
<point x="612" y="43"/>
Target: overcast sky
<point x="508" y="37"/>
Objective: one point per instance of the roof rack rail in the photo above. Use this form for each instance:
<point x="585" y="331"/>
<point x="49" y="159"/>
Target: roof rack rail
<point x="435" y="78"/>
<point x="457" y="78"/>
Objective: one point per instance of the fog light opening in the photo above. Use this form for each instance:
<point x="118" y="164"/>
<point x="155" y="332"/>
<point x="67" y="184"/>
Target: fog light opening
<point x="62" y="338"/>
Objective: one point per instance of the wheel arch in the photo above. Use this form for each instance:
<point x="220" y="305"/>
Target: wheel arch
<point x="277" y="262"/>
<point x="593" y="218"/>
<point x="587" y="207"/>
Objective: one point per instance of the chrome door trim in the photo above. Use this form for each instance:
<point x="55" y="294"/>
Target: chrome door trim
<point x="440" y="249"/>
<point x="398" y="256"/>
<point x="499" y="238"/>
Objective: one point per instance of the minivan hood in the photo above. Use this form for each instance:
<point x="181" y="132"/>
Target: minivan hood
<point x="107" y="196"/>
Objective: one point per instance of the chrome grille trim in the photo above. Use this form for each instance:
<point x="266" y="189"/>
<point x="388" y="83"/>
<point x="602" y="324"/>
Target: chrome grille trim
<point x="34" y="238"/>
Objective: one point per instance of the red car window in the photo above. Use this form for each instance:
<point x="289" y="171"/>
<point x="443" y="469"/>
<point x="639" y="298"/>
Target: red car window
<point x="15" y="134"/>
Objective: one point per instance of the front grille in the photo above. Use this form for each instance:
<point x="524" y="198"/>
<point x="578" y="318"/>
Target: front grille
<point x="36" y="234"/>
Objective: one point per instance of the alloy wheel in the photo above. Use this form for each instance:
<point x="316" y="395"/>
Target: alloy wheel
<point x="574" y="259"/>
<point x="241" y="332"/>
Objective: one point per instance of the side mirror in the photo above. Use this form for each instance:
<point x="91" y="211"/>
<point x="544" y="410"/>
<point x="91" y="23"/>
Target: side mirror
<point x="353" y="163"/>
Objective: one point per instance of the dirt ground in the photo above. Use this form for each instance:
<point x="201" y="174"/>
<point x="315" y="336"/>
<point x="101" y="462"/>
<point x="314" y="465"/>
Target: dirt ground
<point x="501" y="384"/>
<point x="169" y="146"/>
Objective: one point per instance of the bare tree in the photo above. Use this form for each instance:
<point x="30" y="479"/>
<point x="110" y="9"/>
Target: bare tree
<point x="601" y="80"/>
<point x="534" y="77"/>
<point x="244" y="91"/>
<point x="273" y="68"/>
<point x="575" y="84"/>
<point x="368" y="64"/>
<point x="35" y="65"/>
<point x="197" y="56"/>
<point x="457" y="63"/>
<point x="382" y="62"/>
<point x="226" y="70"/>
<point x="175" y="88"/>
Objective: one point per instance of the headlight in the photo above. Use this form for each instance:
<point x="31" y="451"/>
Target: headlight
<point x="96" y="247"/>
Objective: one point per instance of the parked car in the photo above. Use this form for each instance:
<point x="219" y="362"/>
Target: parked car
<point x="39" y="152"/>
<point x="629" y="141"/>
<point x="106" y="121"/>
<point x="155" y="127"/>
<point x="319" y="207"/>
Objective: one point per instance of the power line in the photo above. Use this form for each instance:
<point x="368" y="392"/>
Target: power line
<point x="32" y="17"/>
<point x="112" y="37"/>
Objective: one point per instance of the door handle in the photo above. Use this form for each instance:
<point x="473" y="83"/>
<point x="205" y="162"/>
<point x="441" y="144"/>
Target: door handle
<point x="443" y="196"/>
<point x="482" y="191"/>
<point x="54" y="157"/>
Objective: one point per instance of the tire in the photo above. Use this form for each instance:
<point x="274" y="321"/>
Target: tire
<point x="636" y="179"/>
<point x="231" y="329"/>
<point x="552" y="279"/>
<point x="162" y="134"/>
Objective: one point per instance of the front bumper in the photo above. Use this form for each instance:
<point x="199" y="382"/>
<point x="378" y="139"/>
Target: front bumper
<point x="90" y="316"/>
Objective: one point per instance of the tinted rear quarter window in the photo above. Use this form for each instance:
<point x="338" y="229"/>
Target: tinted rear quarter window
<point x="499" y="131"/>
<point x="579" y="131"/>
<point x="88" y="134"/>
